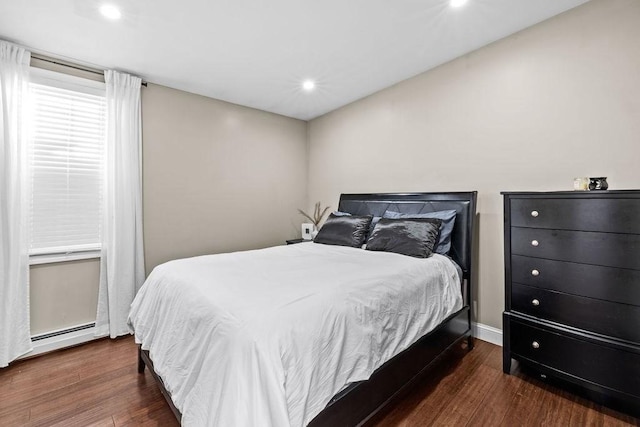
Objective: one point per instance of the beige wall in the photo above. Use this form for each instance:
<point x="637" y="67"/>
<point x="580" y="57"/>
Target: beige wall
<point x="530" y="112"/>
<point x="217" y="177"/>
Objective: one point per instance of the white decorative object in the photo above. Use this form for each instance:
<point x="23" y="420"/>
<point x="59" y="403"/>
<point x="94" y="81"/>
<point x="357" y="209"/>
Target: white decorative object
<point x="122" y="260"/>
<point x="15" y="335"/>
<point x="581" y="184"/>
<point x="307" y="231"/>
<point x="316" y="219"/>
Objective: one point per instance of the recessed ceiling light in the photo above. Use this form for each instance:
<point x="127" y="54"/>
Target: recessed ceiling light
<point x="457" y="3"/>
<point x="308" y="85"/>
<point x="110" y="11"/>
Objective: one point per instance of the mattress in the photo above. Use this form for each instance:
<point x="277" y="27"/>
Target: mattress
<point x="268" y="337"/>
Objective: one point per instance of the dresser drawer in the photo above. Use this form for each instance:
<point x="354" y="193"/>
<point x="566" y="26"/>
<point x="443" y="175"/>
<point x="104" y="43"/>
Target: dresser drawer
<point x="602" y="317"/>
<point x="602" y="214"/>
<point x="611" y="367"/>
<point x="607" y="249"/>
<point x="605" y="283"/>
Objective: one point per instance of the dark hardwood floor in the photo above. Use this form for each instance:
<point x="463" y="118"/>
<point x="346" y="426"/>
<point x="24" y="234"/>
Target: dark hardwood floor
<point x="97" y="384"/>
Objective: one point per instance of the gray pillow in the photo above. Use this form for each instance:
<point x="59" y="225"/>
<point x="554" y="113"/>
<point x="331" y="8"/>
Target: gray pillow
<point x="414" y="237"/>
<point x="374" y="221"/>
<point x="448" y="218"/>
<point x="346" y="230"/>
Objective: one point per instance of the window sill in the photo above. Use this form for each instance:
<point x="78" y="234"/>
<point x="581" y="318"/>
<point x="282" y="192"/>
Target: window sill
<point x="53" y="258"/>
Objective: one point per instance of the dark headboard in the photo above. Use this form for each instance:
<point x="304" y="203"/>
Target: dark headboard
<point x="463" y="202"/>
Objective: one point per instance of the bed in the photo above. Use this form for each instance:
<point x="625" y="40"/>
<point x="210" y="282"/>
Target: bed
<point x="263" y="358"/>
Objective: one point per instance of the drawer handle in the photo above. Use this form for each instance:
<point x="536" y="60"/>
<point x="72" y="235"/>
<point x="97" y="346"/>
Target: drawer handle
<point x="535" y="272"/>
<point x="534" y="243"/>
<point x="535" y="302"/>
<point x="535" y="344"/>
<point x="535" y="214"/>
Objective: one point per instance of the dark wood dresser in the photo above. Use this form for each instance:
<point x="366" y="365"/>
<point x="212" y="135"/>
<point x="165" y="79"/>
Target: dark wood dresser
<point x="572" y="290"/>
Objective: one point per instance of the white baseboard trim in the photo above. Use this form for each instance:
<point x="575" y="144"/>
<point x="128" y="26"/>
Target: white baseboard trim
<point x="487" y="333"/>
<point x="61" y="341"/>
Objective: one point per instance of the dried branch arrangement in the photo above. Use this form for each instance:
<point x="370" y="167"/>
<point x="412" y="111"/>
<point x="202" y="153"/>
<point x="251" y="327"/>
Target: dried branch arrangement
<point x="318" y="214"/>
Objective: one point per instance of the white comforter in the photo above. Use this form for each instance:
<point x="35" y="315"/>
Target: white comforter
<point x="267" y="337"/>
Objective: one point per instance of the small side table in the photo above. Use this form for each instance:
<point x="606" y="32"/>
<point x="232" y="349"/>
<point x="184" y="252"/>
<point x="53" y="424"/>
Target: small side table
<point x="294" y="241"/>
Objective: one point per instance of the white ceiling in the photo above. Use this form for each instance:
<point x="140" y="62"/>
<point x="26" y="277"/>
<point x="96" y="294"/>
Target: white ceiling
<point x="258" y="52"/>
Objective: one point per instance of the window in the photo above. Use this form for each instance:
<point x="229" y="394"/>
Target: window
<point x="67" y="134"/>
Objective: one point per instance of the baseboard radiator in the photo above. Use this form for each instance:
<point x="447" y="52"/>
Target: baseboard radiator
<point x="59" y="332"/>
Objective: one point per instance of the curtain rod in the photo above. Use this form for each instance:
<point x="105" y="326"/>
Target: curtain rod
<point x="74" y="66"/>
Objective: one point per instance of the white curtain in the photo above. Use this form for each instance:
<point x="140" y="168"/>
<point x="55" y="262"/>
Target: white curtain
<point x="122" y="262"/>
<point x="15" y="338"/>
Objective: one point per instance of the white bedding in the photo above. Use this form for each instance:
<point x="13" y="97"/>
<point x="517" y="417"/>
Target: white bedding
<point x="267" y="337"/>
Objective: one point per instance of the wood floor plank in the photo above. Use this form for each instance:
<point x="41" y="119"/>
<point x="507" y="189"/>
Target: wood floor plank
<point x="494" y="360"/>
<point x="441" y="385"/>
<point x="97" y="384"/>
<point x="49" y="383"/>
<point x="579" y="413"/>
<point x="552" y="407"/>
<point x="497" y="402"/>
<point x="84" y="420"/>
<point x="553" y="411"/>
<point x="460" y="409"/>
<point x="15" y="418"/>
<point x="150" y="415"/>
<point x="77" y="395"/>
<point x="527" y="402"/>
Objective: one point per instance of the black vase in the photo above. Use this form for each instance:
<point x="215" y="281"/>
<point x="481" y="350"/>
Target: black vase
<point x="598" y="183"/>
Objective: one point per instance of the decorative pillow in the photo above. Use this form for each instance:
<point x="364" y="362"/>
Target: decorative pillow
<point x="347" y="230"/>
<point x="448" y="221"/>
<point x="374" y="221"/>
<point x="414" y="237"/>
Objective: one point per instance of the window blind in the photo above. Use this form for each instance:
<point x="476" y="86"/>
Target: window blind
<point x="67" y="162"/>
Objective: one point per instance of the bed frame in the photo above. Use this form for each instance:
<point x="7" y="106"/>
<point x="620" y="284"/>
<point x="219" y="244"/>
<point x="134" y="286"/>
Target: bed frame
<point x="360" y="401"/>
